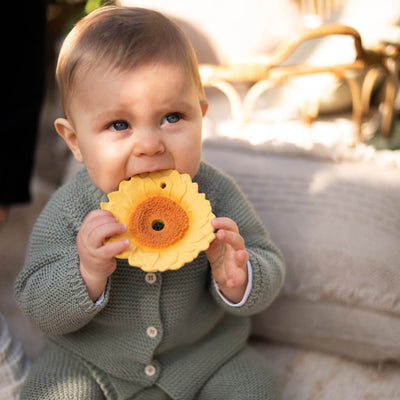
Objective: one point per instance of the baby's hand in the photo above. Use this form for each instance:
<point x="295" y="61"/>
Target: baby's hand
<point x="228" y="259"/>
<point x="96" y="260"/>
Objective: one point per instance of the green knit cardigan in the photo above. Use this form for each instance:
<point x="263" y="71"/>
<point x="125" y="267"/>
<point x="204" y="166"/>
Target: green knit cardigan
<point x="195" y="330"/>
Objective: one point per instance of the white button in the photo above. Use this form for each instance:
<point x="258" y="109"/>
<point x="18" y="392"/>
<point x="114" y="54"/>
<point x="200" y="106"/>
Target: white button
<point x="150" y="370"/>
<point x="150" y="277"/>
<point x="151" y="332"/>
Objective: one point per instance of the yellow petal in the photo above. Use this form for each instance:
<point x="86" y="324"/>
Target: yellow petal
<point x="179" y="190"/>
<point x="105" y="206"/>
<point x="120" y="198"/>
<point x="145" y="260"/>
<point x="121" y="213"/>
<point x="149" y="184"/>
<point x="167" y="260"/>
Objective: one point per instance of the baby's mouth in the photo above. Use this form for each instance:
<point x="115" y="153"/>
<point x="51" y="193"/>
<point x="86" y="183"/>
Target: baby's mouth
<point x="148" y="171"/>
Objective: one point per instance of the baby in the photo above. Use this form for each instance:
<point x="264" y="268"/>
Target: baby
<point x="133" y="103"/>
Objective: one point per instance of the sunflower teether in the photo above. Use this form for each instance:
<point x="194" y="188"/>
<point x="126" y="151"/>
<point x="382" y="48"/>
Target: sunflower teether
<point x="168" y="220"/>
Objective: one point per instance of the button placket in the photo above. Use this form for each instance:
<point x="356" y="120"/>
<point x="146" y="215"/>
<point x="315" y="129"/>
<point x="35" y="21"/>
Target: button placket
<point x="152" y="332"/>
<point x="150" y="278"/>
<point x="150" y="370"/>
<point x="152" y="328"/>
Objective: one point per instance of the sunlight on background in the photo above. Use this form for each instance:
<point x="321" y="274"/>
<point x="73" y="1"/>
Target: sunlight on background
<point x="235" y="32"/>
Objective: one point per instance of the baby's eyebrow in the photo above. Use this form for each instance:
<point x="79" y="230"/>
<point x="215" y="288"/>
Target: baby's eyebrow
<point x="111" y="114"/>
<point x="177" y="105"/>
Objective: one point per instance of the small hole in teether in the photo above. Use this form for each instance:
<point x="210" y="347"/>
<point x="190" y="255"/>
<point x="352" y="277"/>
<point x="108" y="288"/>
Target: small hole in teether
<point x="157" y="225"/>
<point x="163" y="185"/>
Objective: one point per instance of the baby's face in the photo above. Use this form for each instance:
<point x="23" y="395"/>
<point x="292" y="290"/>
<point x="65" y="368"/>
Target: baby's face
<point x="125" y="123"/>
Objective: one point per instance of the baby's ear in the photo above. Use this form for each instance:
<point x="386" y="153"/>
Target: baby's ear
<point x="204" y="107"/>
<point x="67" y="132"/>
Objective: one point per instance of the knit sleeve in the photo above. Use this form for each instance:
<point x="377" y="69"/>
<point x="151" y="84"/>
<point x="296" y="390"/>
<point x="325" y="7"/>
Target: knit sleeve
<point x="267" y="262"/>
<point x="49" y="289"/>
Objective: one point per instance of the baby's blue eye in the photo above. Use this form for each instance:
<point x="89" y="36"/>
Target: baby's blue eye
<point x="119" y="126"/>
<point x="173" y="118"/>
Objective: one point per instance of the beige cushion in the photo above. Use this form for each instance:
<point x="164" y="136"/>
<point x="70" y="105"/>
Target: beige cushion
<point x="338" y="225"/>
<point x="363" y="334"/>
<point x="306" y="375"/>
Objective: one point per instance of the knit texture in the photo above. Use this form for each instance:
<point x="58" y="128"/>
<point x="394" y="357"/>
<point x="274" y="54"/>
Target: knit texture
<point x="196" y="332"/>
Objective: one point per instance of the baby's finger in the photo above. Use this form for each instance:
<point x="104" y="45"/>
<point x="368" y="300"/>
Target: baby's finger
<point x="114" y="248"/>
<point x="225" y="223"/>
<point x="232" y="238"/>
<point x="242" y="257"/>
<point x="106" y="231"/>
<point x="95" y="219"/>
<point x="100" y="233"/>
<point x="238" y="280"/>
<point x="237" y="262"/>
<point x="96" y="215"/>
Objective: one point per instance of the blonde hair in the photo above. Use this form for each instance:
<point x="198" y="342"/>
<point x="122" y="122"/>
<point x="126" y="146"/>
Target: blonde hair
<point x="123" y="38"/>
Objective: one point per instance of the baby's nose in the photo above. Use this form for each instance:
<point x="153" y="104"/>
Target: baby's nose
<point x="148" y="143"/>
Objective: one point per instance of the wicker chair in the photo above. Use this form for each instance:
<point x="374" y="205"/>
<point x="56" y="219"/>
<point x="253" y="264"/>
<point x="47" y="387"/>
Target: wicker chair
<point x="267" y="71"/>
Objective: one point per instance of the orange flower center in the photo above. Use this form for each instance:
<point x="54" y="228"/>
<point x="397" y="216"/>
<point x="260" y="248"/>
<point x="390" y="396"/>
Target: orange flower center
<point x="158" y="222"/>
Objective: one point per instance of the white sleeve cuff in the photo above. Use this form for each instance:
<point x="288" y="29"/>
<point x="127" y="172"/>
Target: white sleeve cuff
<point x="100" y="299"/>
<point x="246" y="293"/>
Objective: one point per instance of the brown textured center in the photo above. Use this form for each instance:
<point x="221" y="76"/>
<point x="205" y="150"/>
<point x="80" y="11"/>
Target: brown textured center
<point x="158" y="222"/>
